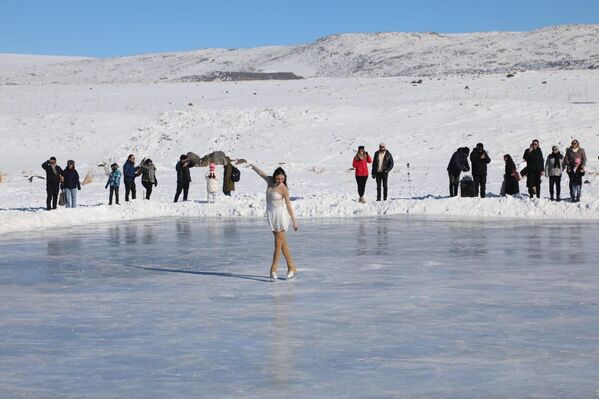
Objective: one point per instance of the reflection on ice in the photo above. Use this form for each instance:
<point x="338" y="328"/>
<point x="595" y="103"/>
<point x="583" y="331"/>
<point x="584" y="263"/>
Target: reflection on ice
<point x="382" y="307"/>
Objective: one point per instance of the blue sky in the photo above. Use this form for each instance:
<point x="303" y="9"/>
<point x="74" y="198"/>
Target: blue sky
<point x="104" y="28"/>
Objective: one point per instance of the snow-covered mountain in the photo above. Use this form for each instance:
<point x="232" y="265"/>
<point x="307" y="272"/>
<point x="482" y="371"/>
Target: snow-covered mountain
<point x="339" y="56"/>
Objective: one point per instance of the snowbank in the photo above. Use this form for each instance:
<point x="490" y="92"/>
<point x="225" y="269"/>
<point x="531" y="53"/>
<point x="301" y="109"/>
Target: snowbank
<point x="317" y="206"/>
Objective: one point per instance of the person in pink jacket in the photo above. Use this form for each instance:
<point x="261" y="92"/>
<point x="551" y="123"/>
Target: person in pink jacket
<point x="360" y="164"/>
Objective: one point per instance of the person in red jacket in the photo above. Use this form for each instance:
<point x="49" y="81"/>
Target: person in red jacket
<point x="360" y="164"/>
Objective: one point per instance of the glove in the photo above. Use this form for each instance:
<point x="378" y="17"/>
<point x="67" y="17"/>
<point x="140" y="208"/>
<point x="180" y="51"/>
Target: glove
<point x="373" y="176"/>
<point x="106" y="186"/>
<point x="155" y="183"/>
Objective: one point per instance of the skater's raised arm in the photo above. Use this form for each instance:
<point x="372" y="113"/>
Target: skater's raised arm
<point x="261" y="173"/>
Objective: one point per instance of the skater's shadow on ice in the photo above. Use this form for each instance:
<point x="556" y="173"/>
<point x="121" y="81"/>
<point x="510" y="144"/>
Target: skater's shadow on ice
<point x="217" y="274"/>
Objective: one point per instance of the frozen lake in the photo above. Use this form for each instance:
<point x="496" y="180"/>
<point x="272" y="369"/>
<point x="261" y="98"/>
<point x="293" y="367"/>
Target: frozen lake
<point x="382" y="308"/>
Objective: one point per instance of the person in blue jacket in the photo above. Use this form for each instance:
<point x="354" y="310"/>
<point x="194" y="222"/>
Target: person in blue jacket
<point x="114" y="181"/>
<point x="130" y="172"/>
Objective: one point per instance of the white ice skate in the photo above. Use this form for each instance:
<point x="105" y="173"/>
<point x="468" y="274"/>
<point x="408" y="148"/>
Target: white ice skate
<point x="291" y="275"/>
<point x="273" y="276"/>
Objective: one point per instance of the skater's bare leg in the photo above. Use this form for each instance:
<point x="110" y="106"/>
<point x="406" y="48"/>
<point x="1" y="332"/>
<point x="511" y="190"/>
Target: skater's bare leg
<point x="277" y="254"/>
<point x="287" y="254"/>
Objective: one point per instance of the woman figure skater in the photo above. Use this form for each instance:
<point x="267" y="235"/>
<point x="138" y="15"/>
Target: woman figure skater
<point x="278" y="212"/>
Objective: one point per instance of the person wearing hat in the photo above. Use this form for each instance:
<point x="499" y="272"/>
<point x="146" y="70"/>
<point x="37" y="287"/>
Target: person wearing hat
<point x="479" y="159"/>
<point x="382" y="164"/>
<point x="70" y="184"/>
<point x="360" y="164"/>
<point x="576" y="174"/>
<point x="148" y="176"/>
<point x="212" y="185"/>
<point x="183" y="176"/>
<point x="554" y="168"/>
<point x="535" y="168"/>
<point x="53" y="179"/>
<point x="114" y="181"/>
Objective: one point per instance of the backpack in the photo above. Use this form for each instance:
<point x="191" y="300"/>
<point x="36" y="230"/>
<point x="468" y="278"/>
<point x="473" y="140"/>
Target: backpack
<point x="235" y="175"/>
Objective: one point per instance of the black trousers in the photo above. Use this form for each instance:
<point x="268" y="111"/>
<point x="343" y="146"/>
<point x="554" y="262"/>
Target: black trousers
<point x="381" y="179"/>
<point x="480" y="182"/>
<point x="148" y="186"/>
<point x="557" y="182"/>
<point x="182" y="187"/>
<point x="361" y="180"/>
<point x="113" y="191"/>
<point x="52" y="196"/>
<point x="454" y="182"/>
<point x="129" y="188"/>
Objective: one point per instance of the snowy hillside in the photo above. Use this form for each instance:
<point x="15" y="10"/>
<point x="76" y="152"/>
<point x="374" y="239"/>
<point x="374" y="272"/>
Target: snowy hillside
<point x="347" y="55"/>
<point x="311" y="127"/>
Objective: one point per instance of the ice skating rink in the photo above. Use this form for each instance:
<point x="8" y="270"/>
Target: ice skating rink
<point x="383" y="307"/>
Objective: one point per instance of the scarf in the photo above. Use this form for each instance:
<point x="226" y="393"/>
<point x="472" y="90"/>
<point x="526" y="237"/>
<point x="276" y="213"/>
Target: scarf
<point x="556" y="158"/>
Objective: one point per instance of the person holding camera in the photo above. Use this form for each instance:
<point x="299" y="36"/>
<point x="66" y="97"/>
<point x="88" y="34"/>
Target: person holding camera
<point x="360" y="164"/>
<point x="535" y="168"/>
<point x="382" y="164"/>
<point x="53" y="180"/>
<point x="479" y="159"/>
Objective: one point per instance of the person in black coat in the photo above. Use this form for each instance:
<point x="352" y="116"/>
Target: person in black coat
<point x="382" y="163"/>
<point x="70" y="184"/>
<point x="479" y="159"/>
<point x="457" y="164"/>
<point x="53" y="180"/>
<point x="535" y="168"/>
<point x="183" y="177"/>
<point x="511" y="176"/>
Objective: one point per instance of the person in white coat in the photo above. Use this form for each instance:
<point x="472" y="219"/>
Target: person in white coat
<point x="212" y="185"/>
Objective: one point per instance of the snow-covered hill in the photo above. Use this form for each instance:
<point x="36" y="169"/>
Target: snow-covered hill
<point x="342" y="56"/>
<point x="312" y="127"/>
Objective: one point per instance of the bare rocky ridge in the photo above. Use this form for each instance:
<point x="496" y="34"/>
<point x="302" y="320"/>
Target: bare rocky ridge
<point x="339" y="56"/>
<point x="240" y="76"/>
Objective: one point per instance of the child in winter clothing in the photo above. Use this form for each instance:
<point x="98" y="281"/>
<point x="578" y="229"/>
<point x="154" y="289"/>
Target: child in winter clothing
<point x="576" y="180"/>
<point x="212" y="185"/>
<point x="114" y="181"/>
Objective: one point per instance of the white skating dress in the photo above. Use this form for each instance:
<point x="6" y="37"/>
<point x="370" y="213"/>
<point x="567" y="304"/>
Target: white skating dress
<point x="276" y="211"/>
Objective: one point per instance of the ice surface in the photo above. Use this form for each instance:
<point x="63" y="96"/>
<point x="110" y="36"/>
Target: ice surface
<point x="382" y="307"/>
